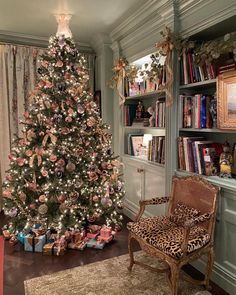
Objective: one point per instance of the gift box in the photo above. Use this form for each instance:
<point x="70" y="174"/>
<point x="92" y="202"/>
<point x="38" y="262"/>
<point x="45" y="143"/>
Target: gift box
<point x="21" y="237"/>
<point x="105" y="239"/>
<point x="78" y="235"/>
<point x="105" y="231"/>
<point x="52" y="249"/>
<point x="78" y="246"/>
<point x="35" y="243"/>
<point x="93" y="229"/>
<point x="92" y="243"/>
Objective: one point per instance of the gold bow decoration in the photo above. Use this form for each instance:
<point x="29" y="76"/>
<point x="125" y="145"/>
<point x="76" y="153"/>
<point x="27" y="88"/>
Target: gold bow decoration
<point x="49" y="134"/>
<point x="38" y="153"/>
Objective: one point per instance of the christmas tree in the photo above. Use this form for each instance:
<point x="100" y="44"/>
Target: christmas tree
<point x="62" y="173"/>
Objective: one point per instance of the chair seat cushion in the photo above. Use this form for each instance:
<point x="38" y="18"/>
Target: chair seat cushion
<point x="167" y="236"/>
<point x="183" y="212"/>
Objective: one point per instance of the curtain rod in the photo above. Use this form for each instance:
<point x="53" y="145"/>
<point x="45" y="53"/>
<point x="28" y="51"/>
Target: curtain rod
<point x="45" y="47"/>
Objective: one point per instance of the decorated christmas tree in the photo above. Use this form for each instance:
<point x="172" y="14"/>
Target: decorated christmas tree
<point x="62" y="172"/>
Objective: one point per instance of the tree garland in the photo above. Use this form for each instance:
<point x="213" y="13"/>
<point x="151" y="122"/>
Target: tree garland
<point x="205" y="52"/>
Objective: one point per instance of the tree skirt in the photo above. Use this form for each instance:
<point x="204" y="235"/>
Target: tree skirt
<point x="109" y="277"/>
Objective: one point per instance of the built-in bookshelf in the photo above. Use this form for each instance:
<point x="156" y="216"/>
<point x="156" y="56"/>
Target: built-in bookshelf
<point x="144" y="120"/>
<point x="200" y="141"/>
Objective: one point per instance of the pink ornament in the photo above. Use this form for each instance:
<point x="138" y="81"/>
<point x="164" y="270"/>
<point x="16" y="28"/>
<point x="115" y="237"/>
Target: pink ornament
<point x="68" y="119"/>
<point x="6" y="194"/>
<point x="59" y="64"/>
<point x="9" y="177"/>
<point x="67" y="75"/>
<point x="104" y="165"/>
<point x="44" y="63"/>
<point x="61" y="163"/>
<point x="32" y="206"/>
<point x="29" y="153"/>
<point x="91" y="121"/>
<point x="53" y="158"/>
<point x="65" y="130"/>
<point x="70" y="111"/>
<point x="80" y="109"/>
<point x="20" y="161"/>
<point x="42" y="198"/>
<point x="32" y="186"/>
<point x="61" y="198"/>
<point x="95" y="198"/>
<point x="44" y="173"/>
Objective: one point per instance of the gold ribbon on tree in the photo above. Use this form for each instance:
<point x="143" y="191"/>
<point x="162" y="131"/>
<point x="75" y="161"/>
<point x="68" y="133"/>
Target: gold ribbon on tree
<point x="49" y="134"/>
<point x="38" y="154"/>
<point x="165" y="48"/>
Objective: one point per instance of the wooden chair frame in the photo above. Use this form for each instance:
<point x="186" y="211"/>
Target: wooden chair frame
<point x="176" y="264"/>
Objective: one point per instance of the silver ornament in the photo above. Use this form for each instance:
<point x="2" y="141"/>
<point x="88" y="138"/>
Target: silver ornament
<point x="43" y="209"/>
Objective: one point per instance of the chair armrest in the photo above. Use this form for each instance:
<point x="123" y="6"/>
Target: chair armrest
<point x="199" y="219"/>
<point x="190" y="223"/>
<point x="153" y="201"/>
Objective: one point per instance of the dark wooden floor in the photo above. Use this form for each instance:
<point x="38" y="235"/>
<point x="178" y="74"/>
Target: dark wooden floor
<point x="20" y="266"/>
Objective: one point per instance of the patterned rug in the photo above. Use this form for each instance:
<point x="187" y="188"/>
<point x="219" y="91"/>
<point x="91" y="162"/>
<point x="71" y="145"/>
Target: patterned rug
<point x="109" y="277"/>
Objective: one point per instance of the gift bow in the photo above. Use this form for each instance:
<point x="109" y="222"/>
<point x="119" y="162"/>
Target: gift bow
<point x="49" y="133"/>
<point x="38" y="153"/>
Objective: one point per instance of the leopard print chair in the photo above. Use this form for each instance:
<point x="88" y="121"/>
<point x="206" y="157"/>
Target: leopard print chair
<point x="184" y="234"/>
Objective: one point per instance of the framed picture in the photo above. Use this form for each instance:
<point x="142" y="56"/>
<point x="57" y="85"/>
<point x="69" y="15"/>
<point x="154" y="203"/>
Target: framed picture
<point x="226" y="94"/>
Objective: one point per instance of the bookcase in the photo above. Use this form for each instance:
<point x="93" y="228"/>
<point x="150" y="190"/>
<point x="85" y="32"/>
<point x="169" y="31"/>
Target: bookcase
<point x="143" y="136"/>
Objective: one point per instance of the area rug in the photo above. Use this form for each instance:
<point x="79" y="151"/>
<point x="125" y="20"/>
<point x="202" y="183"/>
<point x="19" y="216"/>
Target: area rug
<point x="109" y="277"/>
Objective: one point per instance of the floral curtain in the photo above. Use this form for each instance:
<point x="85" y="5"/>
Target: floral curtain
<point x="18" y="75"/>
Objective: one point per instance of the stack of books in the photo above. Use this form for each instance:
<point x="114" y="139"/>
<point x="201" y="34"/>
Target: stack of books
<point x="160" y="114"/>
<point x="156" y="149"/>
<point x="195" y="111"/>
<point x="129" y="114"/>
<point x="192" y="73"/>
<point x="196" y="154"/>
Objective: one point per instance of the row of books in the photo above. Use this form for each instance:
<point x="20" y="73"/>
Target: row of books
<point x="197" y="111"/>
<point x="196" y="154"/>
<point x="153" y="150"/>
<point x="160" y="114"/>
<point x="156" y="149"/>
<point x="144" y="86"/>
<point x="190" y="72"/>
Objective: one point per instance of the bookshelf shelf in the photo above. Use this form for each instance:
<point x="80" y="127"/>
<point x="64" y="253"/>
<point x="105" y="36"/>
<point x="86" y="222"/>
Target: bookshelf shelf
<point x="228" y="183"/>
<point x="207" y="130"/>
<point x="152" y="94"/>
<point x="145" y="128"/>
<point x="140" y="160"/>
<point x="202" y="84"/>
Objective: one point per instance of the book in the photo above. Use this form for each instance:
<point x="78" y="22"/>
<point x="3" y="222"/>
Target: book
<point x="136" y="145"/>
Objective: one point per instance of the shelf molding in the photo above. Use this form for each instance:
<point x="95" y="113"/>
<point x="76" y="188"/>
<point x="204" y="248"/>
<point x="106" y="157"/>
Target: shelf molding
<point x="205" y="83"/>
<point x="147" y="95"/>
<point x="206" y="130"/>
<point x="145" y="128"/>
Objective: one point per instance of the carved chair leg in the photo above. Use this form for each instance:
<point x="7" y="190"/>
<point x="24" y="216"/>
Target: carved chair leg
<point x="131" y="255"/>
<point x="209" y="268"/>
<point x="174" y="278"/>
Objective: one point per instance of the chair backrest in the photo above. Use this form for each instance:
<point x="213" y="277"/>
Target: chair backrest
<point x="195" y="192"/>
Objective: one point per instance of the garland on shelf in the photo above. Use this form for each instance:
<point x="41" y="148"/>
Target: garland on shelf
<point x="205" y="52"/>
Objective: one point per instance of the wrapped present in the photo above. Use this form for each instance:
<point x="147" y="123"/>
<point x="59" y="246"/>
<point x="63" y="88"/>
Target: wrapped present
<point x="93" y="229"/>
<point x="92" y="243"/>
<point x="105" y="239"/>
<point x="78" y="235"/>
<point x="79" y="245"/>
<point x="35" y="243"/>
<point x="7" y="235"/>
<point x="52" y="249"/>
<point x="21" y="237"/>
<point x="105" y="231"/>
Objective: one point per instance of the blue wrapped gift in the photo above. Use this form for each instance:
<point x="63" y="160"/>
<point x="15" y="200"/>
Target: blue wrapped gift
<point x="92" y="243"/>
<point x="21" y="235"/>
<point x="35" y="243"/>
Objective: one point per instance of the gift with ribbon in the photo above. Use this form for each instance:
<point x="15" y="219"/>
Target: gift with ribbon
<point x="93" y="243"/>
<point x="52" y="249"/>
<point x="34" y="243"/>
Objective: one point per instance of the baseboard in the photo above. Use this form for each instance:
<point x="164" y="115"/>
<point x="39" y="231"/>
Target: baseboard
<point x="131" y="210"/>
<point x="219" y="276"/>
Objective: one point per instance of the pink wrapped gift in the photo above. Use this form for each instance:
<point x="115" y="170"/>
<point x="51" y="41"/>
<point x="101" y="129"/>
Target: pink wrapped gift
<point x="102" y="239"/>
<point x="105" y="231"/>
<point x="78" y="246"/>
<point x="95" y="244"/>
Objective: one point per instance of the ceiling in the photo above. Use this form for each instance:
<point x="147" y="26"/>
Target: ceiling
<point x="89" y="17"/>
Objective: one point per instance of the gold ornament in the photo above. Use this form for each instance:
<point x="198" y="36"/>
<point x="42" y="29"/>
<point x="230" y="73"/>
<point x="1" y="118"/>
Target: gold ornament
<point x="43" y="209"/>
<point x="70" y="167"/>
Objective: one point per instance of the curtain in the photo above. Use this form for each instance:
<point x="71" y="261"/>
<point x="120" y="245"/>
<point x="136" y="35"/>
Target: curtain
<point x="18" y="75"/>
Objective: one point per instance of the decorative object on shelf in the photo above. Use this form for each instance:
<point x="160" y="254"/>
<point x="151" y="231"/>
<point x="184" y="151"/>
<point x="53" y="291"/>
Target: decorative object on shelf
<point x="151" y="111"/>
<point x="139" y="110"/>
<point x="213" y="112"/>
<point x="226" y="104"/>
<point x="226" y="161"/>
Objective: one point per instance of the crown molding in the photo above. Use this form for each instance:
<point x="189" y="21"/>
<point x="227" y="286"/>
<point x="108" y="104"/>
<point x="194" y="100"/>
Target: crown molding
<point x="23" y="39"/>
<point x="150" y="10"/>
<point x="216" y="11"/>
<point x="99" y="41"/>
